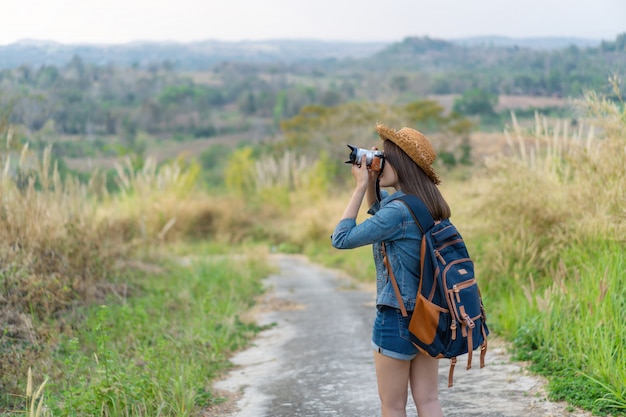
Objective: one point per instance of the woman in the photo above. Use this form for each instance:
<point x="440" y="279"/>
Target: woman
<point x="407" y="169"/>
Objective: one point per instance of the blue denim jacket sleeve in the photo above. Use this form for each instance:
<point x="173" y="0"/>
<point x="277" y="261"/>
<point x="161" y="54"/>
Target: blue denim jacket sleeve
<point x="392" y="223"/>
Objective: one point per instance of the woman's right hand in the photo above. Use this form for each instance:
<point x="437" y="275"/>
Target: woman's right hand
<point x="361" y="172"/>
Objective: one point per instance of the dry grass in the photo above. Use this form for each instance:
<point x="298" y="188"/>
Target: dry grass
<point x="508" y="102"/>
<point x="52" y="254"/>
<point x="550" y="224"/>
<point x="549" y="187"/>
<point x="62" y="242"/>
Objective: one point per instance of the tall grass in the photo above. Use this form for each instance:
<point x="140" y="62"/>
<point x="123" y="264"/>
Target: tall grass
<point x="282" y="193"/>
<point x="65" y="245"/>
<point x="52" y="254"/>
<point x="551" y="251"/>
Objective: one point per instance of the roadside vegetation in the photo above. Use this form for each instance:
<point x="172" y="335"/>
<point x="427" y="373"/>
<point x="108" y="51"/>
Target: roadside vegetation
<point x="101" y="312"/>
<point x="554" y="271"/>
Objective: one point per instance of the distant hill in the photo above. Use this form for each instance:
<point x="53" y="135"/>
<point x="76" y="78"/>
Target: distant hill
<point x="189" y="56"/>
<point x="205" y="54"/>
<point x="545" y="43"/>
<point x="501" y="58"/>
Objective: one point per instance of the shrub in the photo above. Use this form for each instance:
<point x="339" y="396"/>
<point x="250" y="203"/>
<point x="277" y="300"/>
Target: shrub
<point x="550" y="251"/>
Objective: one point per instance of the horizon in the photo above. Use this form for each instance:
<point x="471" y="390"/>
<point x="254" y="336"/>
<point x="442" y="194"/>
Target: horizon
<point x="116" y="22"/>
<point x="183" y="42"/>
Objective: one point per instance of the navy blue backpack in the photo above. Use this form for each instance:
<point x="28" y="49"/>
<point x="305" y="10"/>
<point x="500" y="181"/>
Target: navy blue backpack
<point x="449" y="316"/>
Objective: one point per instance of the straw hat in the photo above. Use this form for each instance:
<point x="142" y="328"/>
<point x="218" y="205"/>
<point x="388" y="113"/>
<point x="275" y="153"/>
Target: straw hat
<point x="415" y="145"/>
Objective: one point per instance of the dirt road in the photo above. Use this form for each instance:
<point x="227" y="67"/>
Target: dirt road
<point x="317" y="360"/>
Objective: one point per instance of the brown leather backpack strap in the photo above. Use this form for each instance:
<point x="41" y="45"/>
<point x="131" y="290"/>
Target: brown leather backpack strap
<point x="394" y="282"/>
<point x="451" y="371"/>
<point x="483" y="348"/>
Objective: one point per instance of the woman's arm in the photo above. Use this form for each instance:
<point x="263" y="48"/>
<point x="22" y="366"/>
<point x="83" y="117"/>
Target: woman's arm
<point x="386" y="224"/>
<point x="370" y="194"/>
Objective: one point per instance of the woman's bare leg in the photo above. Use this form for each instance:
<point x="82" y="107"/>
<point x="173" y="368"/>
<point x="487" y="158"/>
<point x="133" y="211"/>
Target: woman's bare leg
<point x="424" y="380"/>
<point x="393" y="381"/>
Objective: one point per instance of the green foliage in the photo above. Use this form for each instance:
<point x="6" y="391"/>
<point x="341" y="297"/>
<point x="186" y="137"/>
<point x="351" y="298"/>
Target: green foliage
<point x="321" y="177"/>
<point x="240" y="174"/>
<point x="476" y="102"/>
<point x="53" y="254"/>
<point x="357" y="262"/>
<point x="275" y="185"/>
<point x="248" y="103"/>
<point x="298" y="129"/>
<point x="200" y="96"/>
<point x="447" y="158"/>
<point x="502" y="70"/>
<point x="418" y="45"/>
<point x="279" y="107"/>
<point x="591" y="289"/>
<point x="156" y="353"/>
<point x="428" y="114"/>
<point x="72" y="237"/>
<point x="553" y="272"/>
<point x="618" y="45"/>
<point x="454" y="146"/>
<point x="213" y="161"/>
<point x="399" y="83"/>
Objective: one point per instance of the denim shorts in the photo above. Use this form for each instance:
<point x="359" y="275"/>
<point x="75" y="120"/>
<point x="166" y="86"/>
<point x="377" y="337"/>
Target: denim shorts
<point x="390" y="335"/>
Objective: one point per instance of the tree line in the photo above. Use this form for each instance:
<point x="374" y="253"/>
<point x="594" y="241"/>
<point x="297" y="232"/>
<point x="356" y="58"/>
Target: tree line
<point x="97" y="101"/>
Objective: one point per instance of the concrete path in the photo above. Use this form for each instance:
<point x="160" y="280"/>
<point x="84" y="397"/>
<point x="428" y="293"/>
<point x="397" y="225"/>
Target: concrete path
<point x="317" y="361"/>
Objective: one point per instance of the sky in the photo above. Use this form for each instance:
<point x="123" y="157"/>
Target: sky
<point x="122" y="21"/>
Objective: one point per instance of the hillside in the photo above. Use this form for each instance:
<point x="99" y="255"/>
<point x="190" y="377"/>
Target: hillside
<point x="543" y="43"/>
<point x="185" y="56"/>
<point x="204" y="54"/>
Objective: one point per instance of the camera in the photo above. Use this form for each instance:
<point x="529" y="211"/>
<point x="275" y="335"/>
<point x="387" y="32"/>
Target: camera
<point x="374" y="160"/>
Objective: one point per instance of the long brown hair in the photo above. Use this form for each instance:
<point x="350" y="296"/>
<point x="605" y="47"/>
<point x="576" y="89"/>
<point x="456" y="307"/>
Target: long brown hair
<point x="413" y="180"/>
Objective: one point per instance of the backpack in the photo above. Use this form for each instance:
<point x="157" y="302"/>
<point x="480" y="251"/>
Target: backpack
<point x="449" y="316"/>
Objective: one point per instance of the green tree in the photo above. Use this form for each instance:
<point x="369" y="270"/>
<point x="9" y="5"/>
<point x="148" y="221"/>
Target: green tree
<point x="248" y="103"/>
<point x="240" y="171"/>
<point x="213" y="160"/>
<point x="426" y="112"/>
<point x="331" y="98"/>
<point x="476" y="102"/>
<point x="400" y="83"/>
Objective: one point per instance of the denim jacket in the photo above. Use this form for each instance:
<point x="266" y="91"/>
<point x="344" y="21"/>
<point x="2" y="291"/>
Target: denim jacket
<point x="392" y="223"/>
